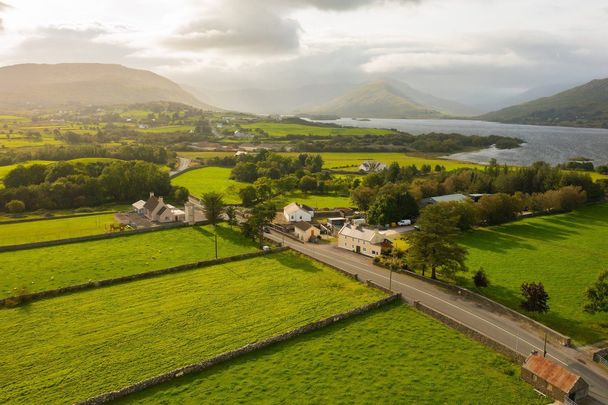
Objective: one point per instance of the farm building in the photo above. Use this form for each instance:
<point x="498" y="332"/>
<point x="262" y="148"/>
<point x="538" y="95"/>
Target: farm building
<point x="368" y="242"/>
<point x="139" y="206"/>
<point x="369" y="167"/>
<point x="304" y="231"/>
<point x="552" y="379"/>
<point x="295" y="212"/>
<point x="444" y="198"/>
<point x="156" y="210"/>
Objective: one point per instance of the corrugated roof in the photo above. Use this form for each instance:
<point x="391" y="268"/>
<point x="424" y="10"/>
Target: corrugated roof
<point x="449" y="198"/>
<point x="551" y="372"/>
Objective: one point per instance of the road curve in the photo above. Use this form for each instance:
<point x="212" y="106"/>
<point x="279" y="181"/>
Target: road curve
<point x="505" y="330"/>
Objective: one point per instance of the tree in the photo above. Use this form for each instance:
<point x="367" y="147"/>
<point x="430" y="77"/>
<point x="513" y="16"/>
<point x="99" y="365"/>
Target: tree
<point x="263" y="188"/>
<point x="213" y="206"/>
<point x="535" y="297"/>
<point x="597" y="295"/>
<point x="480" y="278"/>
<point x="180" y="194"/>
<point x="498" y="208"/>
<point x="308" y="184"/>
<point x="392" y="204"/>
<point x="260" y="215"/>
<point x="434" y="245"/>
<point x="231" y="214"/>
<point x="15" y="206"/>
<point x="248" y="196"/>
<point x="467" y="213"/>
<point x="245" y="171"/>
<point x="363" y="197"/>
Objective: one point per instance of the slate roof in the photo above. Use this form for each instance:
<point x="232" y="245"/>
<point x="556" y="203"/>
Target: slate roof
<point x="303" y="226"/>
<point x="294" y="207"/>
<point x="160" y="211"/>
<point x="151" y="204"/>
<point x="370" y="235"/>
<point x="551" y="372"/>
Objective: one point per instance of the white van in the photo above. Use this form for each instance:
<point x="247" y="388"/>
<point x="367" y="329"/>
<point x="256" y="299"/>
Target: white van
<point x="404" y="222"/>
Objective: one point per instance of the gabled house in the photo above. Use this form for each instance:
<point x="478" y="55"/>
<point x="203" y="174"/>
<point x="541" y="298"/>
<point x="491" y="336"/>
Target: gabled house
<point x="295" y="212"/>
<point x="156" y="210"/>
<point x="553" y="380"/>
<point x="305" y="231"/>
<point x="370" y="167"/>
<point x="356" y="238"/>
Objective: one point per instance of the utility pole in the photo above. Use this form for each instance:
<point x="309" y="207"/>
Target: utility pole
<point x="390" y="279"/>
<point x="545" y="347"/>
<point x="215" y="235"/>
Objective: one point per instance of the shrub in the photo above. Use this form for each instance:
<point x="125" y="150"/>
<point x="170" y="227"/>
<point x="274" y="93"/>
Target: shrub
<point x="20" y="295"/>
<point x="535" y="297"/>
<point x="480" y="278"/>
<point x="15" y="206"/>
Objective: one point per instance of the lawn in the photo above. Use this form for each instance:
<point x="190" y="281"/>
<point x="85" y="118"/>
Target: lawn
<point x="390" y="355"/>
<point x="314" y="200"/>
<point x="280" y="129"/>
<point x="52" y="229"/>
<point x="69" y="348"/>
<point x="209" y="179"/>
<point x="565" y="252"/>
<point x="58" y="266"/>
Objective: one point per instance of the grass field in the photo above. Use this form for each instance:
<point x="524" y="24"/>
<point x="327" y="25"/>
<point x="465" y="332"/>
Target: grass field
<point x="279" y="129"/>
<point x="53" y="229"/>
<point x="4" y="170"/>
<point x="58" y="266"/>
<point x="390" y="355"/>
<point x="69" y="348"/>
<point x="565" y="252"/>
<point x="209" y="179"/>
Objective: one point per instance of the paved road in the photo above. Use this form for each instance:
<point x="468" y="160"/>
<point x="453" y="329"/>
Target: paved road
<point x="183" y="165"/>
<point x="500" y="328"/>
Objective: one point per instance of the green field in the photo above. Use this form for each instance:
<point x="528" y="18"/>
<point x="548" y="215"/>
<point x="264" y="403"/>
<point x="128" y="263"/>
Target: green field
<point x="209" y="179"/>
<point x="58" y="266"/>
<point x="167" y="129"/>
<point x="4" y="170"/>
<point x="565" y="252"/>
<point x="53" y="229"/>
<point x="390" y="355"/>
<point x="279" y="129"/>
<point x="69" y="348"/>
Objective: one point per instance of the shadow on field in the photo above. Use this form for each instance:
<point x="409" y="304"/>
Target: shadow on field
<point x="224" y="232"/>
<point x="297" y="262"/>
<point x="494" y="241"/>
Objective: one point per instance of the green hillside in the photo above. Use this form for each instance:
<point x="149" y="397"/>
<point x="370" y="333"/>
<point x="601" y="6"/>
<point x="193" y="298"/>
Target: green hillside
<point x="582" y="106"/>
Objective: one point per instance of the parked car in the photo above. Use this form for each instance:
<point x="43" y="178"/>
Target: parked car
<point x="404" y="222"/>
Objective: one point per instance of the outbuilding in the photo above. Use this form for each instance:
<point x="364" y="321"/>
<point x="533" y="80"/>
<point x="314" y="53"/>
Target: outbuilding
<point x="305" y="231"/>
<point x="553" y="380"/>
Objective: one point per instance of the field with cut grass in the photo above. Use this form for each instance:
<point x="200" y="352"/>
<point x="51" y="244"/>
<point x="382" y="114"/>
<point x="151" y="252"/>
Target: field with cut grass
<point x="58" y="266"/>
<point x="53" y="229"/>
<point x="565" y="252"/>
<point x="209" y="179"/>
<point x="390" y="355"/>
<point x="278" y="129"/>
<point x="69" y="348"/>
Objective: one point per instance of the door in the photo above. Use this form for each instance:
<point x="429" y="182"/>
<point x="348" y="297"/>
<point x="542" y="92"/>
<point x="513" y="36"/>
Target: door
<point x="358" y="249"/>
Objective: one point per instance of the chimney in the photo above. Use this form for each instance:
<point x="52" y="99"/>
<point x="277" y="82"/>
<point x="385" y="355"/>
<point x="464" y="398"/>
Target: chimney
<point x="160" y="200"/>
<point x="151" y="194"/>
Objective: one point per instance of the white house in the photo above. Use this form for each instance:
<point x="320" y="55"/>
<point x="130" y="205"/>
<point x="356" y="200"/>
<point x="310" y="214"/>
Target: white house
<point x="155" y="209"/>
<point x="139" y="206"/>
<point x="295" y="212"/>
<point x="304" y="231"/>
<point x="362" y="240"/>
<point x="369" y="167"/>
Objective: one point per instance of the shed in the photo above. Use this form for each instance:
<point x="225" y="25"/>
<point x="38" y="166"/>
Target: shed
<point x="139" y="206"/>
<point x="552" y="379"/>
<point x="305" y="231"/>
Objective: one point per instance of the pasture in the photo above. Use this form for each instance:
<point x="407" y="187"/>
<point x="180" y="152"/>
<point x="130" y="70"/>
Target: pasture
<point x="390" y="355"/>
<point x="207" y="179"/>
<point x="565" y="252"/>
<point x="59" y="266"/>
<point x="53" y="229"/>
<point x="69" y="348"/>
<point x="277" y="129"/>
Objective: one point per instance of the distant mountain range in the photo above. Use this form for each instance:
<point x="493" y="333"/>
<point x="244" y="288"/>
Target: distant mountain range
<point x="581" y="106"/>
<point x="30" y="86"/>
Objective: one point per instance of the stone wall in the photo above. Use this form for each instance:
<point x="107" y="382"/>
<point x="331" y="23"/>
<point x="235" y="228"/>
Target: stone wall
<point x="472" y="333"/>
<point x="224" y="357"/>
<point x="134" y="277"/>
<point x="552" y="335"/>
<point x="75" y="215"/>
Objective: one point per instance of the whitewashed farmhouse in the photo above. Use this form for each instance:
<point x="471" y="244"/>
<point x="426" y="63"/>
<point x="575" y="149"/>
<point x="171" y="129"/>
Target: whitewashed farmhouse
<point x="295" y="212"/>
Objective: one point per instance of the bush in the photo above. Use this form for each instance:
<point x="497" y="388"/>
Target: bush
<point x="15" y="206"/>
<point x="535" y="297"/>
<point x="480" y="278"/>
<point x="20" y="295"/>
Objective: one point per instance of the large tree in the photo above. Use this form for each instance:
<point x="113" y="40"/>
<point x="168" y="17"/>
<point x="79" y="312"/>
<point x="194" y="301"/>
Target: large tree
<point x="392" y="203"/>
<point x="259" y="216"/>
<point x="597" y="295"/>
<point x="535" y="297"/>
<point x="434" y="246"/>
<point x="213" y="206"/>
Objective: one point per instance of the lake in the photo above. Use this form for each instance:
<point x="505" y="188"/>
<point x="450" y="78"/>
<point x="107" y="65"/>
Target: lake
<point x="551" y="144"/>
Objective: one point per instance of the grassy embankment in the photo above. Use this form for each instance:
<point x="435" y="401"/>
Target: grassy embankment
<point x="59" y="266"/>
<point x="69" y="348"/>
<point x="391" y="355"/>
<point x="565" y="252"/>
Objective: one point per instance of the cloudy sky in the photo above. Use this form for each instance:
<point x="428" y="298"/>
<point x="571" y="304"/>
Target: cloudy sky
<point x="468" y="50"/>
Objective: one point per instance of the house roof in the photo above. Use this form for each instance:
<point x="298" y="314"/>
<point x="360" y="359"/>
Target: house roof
<point x="446" y="198"/>
<point x="139" y="204"/>
<point x="370" y="235"/>
<point x="302" y="225"/>
<point x="151" y="203"/>
<point x="295" y="207"/>
<point x="160" y="211"/>
<point x="551" y="372"/>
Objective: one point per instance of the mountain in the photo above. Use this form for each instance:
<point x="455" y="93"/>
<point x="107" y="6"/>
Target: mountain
<point x="388" y="99"/>
<point x="75" y="84"/>
<point x="582" y="106"/>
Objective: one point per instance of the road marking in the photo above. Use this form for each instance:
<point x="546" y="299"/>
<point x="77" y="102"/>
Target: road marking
<point x="304" y="249"/>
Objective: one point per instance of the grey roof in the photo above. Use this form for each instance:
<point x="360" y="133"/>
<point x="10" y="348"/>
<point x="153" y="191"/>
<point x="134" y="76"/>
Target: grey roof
<point x="302" y="225"/>
<point x="357" y="232"/>
<point x="151" y="203"/>
<point x="160" y="211"/>
<point x="446" y="198"/>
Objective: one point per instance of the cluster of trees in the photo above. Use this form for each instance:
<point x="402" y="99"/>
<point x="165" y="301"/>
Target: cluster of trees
<point x="154" y="154"/>
<point x="72" y="185"/>
<point x="401" y="142"/>
<point x="267" y="164"/>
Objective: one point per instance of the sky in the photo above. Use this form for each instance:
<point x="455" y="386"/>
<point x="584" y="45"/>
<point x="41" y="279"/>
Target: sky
<point x="473" y="51"/>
